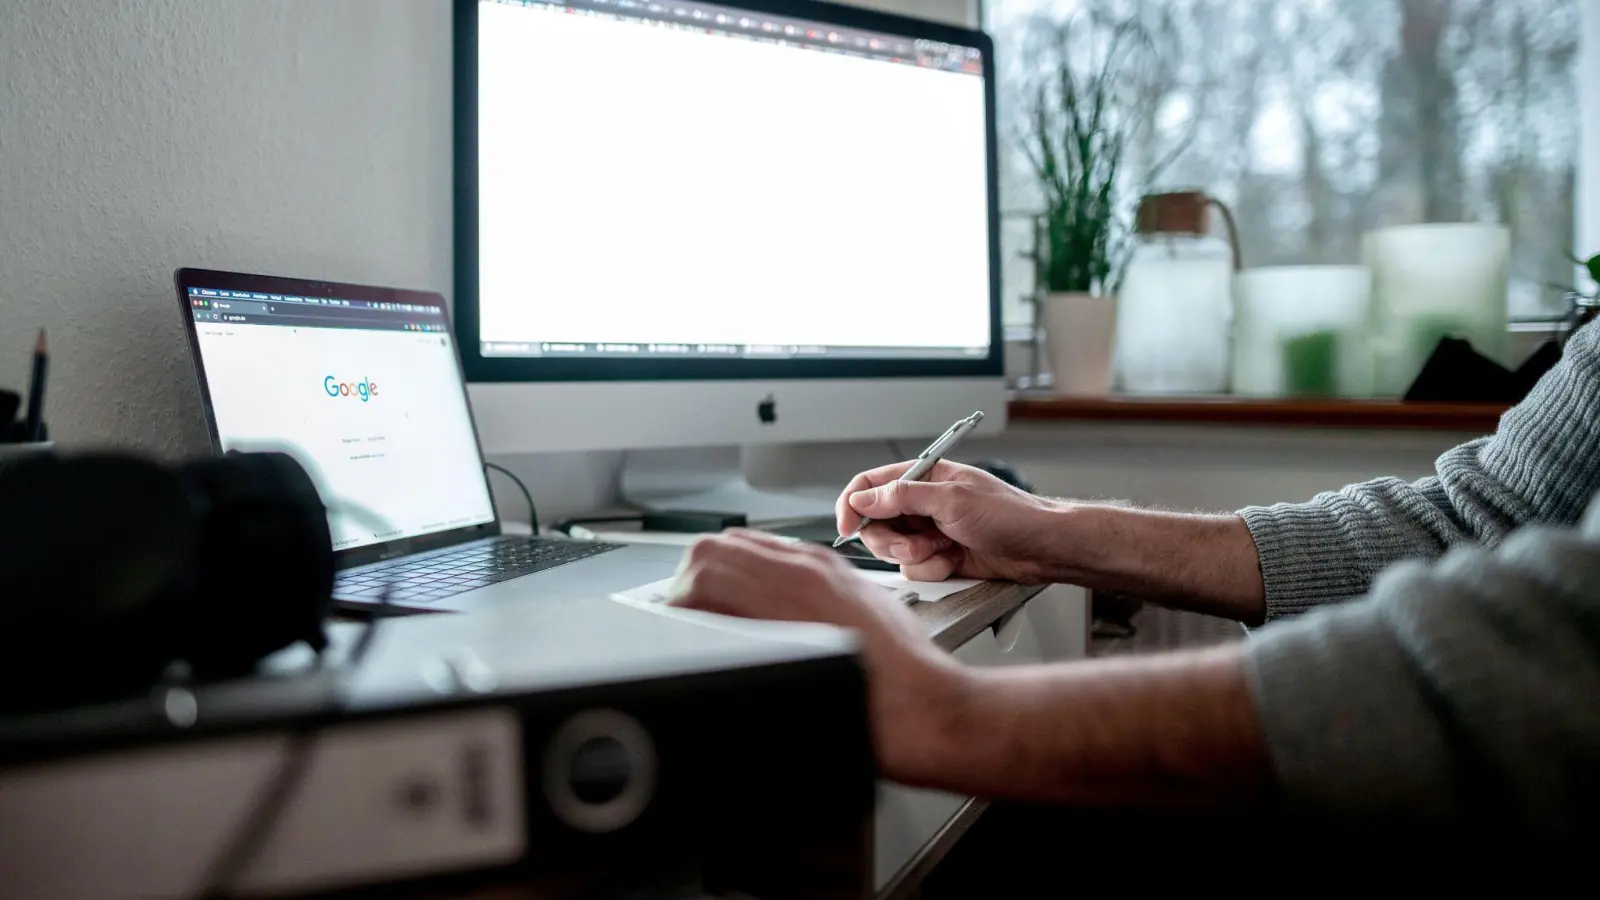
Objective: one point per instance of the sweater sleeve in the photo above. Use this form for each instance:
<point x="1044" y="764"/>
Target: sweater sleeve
<point x="1540" y="467"/>
<point x="1458" y="694"/>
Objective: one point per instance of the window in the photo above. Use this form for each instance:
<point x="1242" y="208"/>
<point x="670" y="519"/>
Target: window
<point x="1317" y="120"/>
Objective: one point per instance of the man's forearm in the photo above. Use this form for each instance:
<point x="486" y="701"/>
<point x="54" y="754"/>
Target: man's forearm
<point x="1177" y="729"/>
<point x="1199" y="562"/>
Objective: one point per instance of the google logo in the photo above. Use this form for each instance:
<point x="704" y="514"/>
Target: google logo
<point x="366" y="388"/>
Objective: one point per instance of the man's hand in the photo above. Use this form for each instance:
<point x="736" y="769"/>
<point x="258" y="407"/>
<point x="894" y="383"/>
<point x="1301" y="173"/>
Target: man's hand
<point x="959" y="521"/>
<point x="1141" y="730"/>
<point x="913" y="686"/>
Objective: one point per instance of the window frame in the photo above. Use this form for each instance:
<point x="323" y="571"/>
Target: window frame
<point x="1588" y="204"/>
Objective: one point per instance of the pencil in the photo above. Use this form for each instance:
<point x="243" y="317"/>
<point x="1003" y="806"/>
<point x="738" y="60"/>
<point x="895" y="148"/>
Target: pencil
<point x="41" y="371"/>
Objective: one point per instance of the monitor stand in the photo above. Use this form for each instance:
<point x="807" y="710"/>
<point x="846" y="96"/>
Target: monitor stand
<point x="750" y="480"/>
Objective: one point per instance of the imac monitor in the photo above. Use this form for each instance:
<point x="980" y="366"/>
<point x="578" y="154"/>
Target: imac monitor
<point x="700" y="207"/>
<point x="684" y="224"/>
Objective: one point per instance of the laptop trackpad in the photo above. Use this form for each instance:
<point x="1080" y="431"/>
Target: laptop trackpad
<point x="596" y="576"/>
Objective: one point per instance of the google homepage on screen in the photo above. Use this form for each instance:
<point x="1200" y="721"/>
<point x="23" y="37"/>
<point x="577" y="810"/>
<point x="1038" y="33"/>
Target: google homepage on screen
<point x="369" y="401"/>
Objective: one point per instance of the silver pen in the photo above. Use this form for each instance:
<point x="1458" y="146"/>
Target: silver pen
<point x="926" y="460"/>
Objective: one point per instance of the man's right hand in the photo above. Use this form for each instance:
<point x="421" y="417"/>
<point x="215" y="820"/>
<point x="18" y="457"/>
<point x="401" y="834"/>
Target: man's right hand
<point x="958" y="521"/>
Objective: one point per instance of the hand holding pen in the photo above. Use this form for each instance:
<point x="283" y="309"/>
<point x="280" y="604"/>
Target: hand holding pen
<point x="956" y="521"/>
<point x="925" y="462"/>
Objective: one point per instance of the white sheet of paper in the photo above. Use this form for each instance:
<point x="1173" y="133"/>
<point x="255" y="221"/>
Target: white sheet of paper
<point x="652" y="593"/>
<point x="655" y="593"/>
<point x="677" y="539"/>
<point x="674" y="538"/>
<point x="800" y="632"/>
<point x="927" y="591"/>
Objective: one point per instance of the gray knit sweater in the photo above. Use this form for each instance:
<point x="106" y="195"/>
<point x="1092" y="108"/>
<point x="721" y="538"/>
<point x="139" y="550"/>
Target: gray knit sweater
<point x="1468" y="690"/>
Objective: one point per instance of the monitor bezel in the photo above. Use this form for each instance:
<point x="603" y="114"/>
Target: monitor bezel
<point x="480" y="368"/>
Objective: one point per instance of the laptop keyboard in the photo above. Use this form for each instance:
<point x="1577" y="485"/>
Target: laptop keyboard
<point x="432" y="578"/>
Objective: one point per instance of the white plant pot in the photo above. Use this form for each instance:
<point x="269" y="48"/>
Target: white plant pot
<point x="1079" y="332"/>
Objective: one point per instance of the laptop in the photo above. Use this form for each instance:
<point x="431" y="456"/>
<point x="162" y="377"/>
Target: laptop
<point x="362" y="385"/>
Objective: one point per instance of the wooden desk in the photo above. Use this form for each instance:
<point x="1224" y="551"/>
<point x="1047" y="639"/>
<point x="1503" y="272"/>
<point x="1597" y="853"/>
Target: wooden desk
<point x="961" y="617"/>
<point x="952" y="623"/>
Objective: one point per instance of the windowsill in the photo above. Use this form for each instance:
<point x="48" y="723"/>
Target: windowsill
<point x="1477" y="418"/>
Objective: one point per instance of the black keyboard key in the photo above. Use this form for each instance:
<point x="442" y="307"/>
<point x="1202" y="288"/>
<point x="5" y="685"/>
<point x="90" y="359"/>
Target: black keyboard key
<point x="447" y="574"/>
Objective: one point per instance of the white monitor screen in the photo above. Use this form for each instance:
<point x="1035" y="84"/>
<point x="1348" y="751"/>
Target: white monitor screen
<point x="682" y="179"/>
<point x="366" y="396"/>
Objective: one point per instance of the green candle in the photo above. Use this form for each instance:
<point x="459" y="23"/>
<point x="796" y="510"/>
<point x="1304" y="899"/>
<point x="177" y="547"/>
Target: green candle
<point x="1311" y="364"/>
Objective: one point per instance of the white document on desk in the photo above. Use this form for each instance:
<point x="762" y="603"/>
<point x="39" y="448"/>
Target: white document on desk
<point x="673" y="538"/>
<point x="927" y="591"/>
<point x="657" y="592"/>
<point x="654" y="597"/>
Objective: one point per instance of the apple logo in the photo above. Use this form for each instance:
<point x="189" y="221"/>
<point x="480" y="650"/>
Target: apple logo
<point x="767" y="410"/>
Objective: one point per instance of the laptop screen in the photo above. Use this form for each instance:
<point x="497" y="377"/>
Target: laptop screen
<point x="366" y="395"/>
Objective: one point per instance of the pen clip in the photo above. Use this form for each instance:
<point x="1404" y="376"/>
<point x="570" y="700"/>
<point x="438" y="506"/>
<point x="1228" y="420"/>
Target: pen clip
<point x="938" y="441"/>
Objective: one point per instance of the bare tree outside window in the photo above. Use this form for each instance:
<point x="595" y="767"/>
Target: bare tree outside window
<point x="1319" y="120"/>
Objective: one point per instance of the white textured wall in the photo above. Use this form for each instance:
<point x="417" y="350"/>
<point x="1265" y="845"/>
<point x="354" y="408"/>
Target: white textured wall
<point x="292" y="136"/>
<point x="305" y="137"/>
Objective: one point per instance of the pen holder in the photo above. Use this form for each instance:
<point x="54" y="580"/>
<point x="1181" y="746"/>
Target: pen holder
<point x="14" y="438"/>
<point x="18" y="450"/>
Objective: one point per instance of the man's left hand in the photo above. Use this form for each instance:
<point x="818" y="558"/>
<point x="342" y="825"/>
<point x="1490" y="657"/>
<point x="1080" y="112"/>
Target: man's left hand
<point x="912" y="684"/>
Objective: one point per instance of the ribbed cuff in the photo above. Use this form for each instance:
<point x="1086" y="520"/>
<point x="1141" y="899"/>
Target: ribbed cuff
<point x="1347" y="729"/>
<point x="1307" y="557"/>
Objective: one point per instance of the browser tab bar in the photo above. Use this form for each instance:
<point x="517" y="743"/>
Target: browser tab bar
<point x="721" y="21"/>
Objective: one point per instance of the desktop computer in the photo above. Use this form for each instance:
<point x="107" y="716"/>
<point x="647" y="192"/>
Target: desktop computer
<point x="703" y="231"/>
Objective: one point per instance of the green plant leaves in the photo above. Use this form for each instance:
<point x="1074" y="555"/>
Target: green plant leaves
<point x="1076" y="161"/>
<point x="1082" y="114"/>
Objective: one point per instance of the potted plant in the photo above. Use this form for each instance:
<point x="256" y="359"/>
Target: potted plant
<point x="1083" y="117"/>
<point x="1585" y="304"/>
